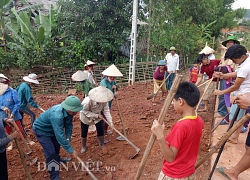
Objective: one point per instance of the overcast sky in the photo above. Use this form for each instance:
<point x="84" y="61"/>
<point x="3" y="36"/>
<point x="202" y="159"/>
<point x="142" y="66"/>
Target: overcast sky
<point x="241" y="4"/>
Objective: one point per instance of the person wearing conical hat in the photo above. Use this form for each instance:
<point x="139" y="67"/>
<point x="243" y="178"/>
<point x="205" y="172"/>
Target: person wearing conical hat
<point x="82" y="78"/>
<point x="109" y="82"/>
<point x="209" y="52"/>
<point x="53" y="129"/>
<point x="25" y="95"/>
<point x="172" y="60"/>
<point x="93" y="105"/>
<point x="88" y="68"/>
<point x="10" y="104"/>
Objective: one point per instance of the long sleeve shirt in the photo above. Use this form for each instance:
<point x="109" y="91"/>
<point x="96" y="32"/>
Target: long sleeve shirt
<point x="10" y="99"/>
<point x="90" y="77"/>
<point x="56" y="122"/>
<point x="4" y="138"/>
<point x="91" y="110"/>
<point x="25" y="95"/>
<point x="105" y="82"/>
<point x="172" y="62"/>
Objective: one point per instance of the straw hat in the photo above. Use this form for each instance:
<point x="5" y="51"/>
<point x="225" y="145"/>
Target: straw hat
<point x="101" y="94"/>
<point x="79" y="76"/>
<point x="3" y="88"/>
<point x="31" y="78"/>
<point x="72" y="103"/>
<point x="112" y="71"/>
<point x="172" y="48"/>
<point x="89" y="63"/>
<point x="4" y="77"/>
<point x="207" y="50"/>
<point x="230" y="38"/>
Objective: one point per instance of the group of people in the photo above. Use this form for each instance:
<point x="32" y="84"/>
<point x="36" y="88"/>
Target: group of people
<point x="53" y="128"/>
<point x="231" y="75"/>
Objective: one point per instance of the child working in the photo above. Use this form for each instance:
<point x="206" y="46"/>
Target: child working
<point x="180" y="147"/>
<point x="193" y="72"/>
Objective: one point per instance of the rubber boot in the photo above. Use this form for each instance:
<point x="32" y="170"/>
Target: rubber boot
<point x="101" y="141"/>
<point x="84" y="146"/>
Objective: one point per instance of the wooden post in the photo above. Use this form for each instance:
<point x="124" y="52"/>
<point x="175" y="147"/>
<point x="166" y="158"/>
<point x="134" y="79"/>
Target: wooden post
<point x="161" y="118"/>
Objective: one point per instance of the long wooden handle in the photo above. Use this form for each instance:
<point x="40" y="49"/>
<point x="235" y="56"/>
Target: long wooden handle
<point x="118" y="132"/>
<point x="202" y="84"/>
<point x="213" y="150"/>
<point x="161" y="118"/>
<point x="21" y="153"/>
<point x="86" y="168"/>
<point x="210" y="81"/>
<point x="120" y="115"/>
<point x="24" y="141"/>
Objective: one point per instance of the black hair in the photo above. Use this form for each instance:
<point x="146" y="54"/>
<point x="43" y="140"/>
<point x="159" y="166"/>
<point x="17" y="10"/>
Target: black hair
<point x="201" y="57"/>
<point x="189" y="92"/>
<point x="235" y="51"/>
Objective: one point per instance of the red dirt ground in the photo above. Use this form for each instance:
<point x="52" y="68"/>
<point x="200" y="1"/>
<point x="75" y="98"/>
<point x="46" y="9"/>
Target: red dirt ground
<point x="138" y="114"/>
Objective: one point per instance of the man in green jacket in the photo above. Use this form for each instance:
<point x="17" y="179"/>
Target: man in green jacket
<point x="53" y="129"/>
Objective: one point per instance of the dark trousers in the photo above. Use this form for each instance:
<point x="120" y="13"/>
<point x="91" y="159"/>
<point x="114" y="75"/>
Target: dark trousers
<point x="99" y="129"/>
<point x="170" y="80"/>
<point x="222" y="108"/>
<point x="51" y="150"/>
<point x="30" y="113"/>
<point x="3" y="166"/>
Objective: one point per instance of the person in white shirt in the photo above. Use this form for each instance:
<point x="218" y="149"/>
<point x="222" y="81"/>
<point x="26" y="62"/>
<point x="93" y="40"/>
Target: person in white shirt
<point x="88" y="68"/>
<point x="172" y="60"/>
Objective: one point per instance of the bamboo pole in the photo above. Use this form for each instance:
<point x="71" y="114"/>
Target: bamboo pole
<point x="161" y="118"/>
<point x="213" y="149"/>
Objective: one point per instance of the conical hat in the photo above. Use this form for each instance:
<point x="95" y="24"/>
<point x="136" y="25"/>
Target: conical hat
<point x="88" y="63"/>
<point x="3" y="88"/>
<point x="112" y="71"/>
<point x="101" y="94"/>
<point x="207" y="50"/>
<point x="79" y="76"/>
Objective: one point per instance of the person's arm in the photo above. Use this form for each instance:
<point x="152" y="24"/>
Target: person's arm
<point x="30" y="98"/>
<point x="229" y="75"/>
<point x="234" y="87"/>
<point x="5" y="140"/>
<point x="16" y="101"/>
<point x="107" y="114"/>
<point x="243" y="100"/>
<point x="58" y="128"/>
<point x="169" y="153"/>
<point x="86" y="109"/>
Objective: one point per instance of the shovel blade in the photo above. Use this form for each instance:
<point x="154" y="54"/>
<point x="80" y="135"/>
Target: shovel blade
<point x="135" y="155"/>
<point x="33" y="161"/>
<point x="120" y="138"/>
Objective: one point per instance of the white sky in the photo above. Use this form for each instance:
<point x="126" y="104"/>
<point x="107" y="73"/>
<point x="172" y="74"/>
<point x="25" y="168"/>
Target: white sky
<point x="241" y="4"/>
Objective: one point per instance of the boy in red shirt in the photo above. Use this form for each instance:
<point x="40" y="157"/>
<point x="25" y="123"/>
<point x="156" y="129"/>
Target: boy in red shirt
<point x="193" y="73"/>
<point x="180" y="147"/>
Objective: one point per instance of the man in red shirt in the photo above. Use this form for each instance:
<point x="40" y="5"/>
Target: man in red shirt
<point x="207" y="67"/>
<point x="180" y="147"/>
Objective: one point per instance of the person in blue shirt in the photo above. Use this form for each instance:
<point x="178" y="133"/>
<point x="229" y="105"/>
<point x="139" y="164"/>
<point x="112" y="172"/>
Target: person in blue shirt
<point x="53" y="128"/>
<point x="10" y="103"/>
<point x="25" y="95"/>
<point x="4" y="138"/>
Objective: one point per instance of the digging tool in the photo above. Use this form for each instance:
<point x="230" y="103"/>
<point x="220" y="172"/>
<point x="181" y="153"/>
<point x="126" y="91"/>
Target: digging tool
<point x="215" y="127"/>
<point x="24" y="141"/>
<point x="203" y="84"/>
<point x="120" y="138"/>
<point x="86" y="168"/>
<point x="210" y="81"/>
<point x="223" y="145"/>
<point x="154" y="94"/>
<point x="223" y="139"/>
<point x="22" y="156"/>
<point x="135" y="147"/>
<point x="32" y="161"/>
<point x="212" y="123"/>
<point x="161" y="118"/>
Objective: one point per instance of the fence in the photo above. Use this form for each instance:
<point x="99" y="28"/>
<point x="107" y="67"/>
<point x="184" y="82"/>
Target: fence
<point x="58" y="80"/>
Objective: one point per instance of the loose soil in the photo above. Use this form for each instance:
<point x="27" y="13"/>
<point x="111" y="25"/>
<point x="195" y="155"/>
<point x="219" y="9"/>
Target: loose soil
<point x="138" y="114"/>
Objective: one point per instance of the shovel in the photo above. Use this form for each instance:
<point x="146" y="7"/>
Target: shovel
<point x="120" y="138"/>
<point x="32" y="161"/>
<point x="135" y="147"/>
<point x="154" y="94"/>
